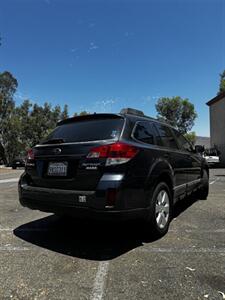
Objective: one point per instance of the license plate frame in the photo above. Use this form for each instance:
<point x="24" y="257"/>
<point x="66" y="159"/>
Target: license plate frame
<point x="57" y="169"/>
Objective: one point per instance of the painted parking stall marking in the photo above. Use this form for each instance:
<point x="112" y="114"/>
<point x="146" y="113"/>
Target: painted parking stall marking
<point x="100" y="280"/>
<point x="212" y="182"/>
<point x="9" y="180"/>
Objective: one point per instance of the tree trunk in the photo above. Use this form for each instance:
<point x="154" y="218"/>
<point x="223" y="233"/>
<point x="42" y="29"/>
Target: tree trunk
<point x="2" y="154"/>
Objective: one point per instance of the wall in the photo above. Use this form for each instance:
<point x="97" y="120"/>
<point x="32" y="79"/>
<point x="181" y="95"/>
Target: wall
<point x="217" y="126"/>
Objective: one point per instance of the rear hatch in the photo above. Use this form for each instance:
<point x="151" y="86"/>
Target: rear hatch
<point x="60" y="161"/>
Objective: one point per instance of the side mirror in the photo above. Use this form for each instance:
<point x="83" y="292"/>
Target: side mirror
<point x="199" y="149"/>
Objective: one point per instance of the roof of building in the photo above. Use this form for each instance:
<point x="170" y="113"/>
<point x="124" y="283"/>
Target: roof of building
<point x="215" y="99"/>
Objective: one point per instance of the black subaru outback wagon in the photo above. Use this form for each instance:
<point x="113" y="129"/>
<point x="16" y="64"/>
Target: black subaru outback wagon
<point x="113" y="166"/>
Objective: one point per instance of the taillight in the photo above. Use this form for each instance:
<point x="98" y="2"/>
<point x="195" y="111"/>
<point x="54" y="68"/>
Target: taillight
<point x="98" y="152"/>
<point x="117" y="153"/>
<point x="30" y="154"/>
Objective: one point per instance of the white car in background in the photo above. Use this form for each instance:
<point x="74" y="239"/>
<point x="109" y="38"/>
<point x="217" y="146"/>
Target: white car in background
<point x="211" y="156"/>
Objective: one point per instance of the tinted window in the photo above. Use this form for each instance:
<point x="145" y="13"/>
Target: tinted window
<point x="144" y="132"/>
<point x="166" y="136"/>
<point x="88" y="130"/>
<point x="183" y="143"/>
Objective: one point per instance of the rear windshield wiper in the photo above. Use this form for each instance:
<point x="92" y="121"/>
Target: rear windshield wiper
<point x="54" y="141"/>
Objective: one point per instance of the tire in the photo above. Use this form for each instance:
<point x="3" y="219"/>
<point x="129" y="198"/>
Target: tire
<point x="203" y="191"/>
<point x="160" y="211"/>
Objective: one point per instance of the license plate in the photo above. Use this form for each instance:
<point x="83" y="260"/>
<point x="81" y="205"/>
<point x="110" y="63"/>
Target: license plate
<point x="57" y="168"/>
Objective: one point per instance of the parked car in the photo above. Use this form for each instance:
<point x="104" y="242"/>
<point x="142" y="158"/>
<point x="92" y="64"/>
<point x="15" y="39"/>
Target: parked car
<point x="212" y="156"/>
<point x="18" y="163"/>
<point x="113" y="166"/>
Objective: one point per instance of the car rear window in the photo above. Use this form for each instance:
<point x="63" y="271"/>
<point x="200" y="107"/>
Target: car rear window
<point x="87" y="130"/>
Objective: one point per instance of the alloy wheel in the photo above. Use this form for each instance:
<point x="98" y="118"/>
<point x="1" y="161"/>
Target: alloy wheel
<point x="162" y="209"/>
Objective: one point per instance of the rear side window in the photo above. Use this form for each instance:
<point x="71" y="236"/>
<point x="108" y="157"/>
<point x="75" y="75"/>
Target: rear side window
<point x="144" y="132"/>
<point x="166" y="136"/>
<point x="87" y="130"/>
<point x="183" y="143"/>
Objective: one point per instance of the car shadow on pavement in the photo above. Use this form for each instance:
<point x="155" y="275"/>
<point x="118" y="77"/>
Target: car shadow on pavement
<point x="84" y="239"/>
<point x="89" y="239"/>
<point x="183" y="205"/>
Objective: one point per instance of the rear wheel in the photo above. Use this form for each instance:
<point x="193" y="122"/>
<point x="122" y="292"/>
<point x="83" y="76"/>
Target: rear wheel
<point x="160" y="212"/>
<point x="203" y="191"/>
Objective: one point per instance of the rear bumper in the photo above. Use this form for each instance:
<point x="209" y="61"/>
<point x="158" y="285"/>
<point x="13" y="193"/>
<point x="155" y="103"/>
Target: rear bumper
<point x="72" y="203"/>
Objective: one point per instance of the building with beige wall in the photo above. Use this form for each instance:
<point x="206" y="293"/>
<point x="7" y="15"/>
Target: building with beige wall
<point x="217" y="124"/>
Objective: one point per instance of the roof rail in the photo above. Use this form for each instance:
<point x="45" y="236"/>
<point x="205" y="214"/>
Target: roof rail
<point x="132" y="111"/>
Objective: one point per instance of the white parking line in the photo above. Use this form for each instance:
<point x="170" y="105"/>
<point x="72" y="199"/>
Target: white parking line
<point x="198" y="230"/>
<point x="213" y="181"/>
<point x="13" y="248"/>
<point x="9" y="180"/>
<point x="100" y="279"/>
<point x="181" y="250"/>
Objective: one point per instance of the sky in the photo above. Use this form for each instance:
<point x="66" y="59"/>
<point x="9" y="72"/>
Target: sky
<point x="103" y="55"/>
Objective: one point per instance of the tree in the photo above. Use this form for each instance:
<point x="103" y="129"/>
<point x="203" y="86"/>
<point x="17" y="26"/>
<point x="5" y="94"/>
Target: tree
<point x="2" y="154"/>
<point x="178" y="112"/>
<point x="12" y="141"/>
<point x="26" y="126"/>
<point x="191" y="137"/>
<point x="222" y="83"/>
<point x="8" y="86"/>
<point x="64" y="114"/>
<point x="36" y="121"/>
<point x="82" y="113"/>
<point x="23" y="126"/>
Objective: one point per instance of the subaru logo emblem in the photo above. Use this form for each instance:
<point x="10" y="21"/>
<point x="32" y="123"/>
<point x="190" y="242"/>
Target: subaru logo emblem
<point x="57" y="151"/>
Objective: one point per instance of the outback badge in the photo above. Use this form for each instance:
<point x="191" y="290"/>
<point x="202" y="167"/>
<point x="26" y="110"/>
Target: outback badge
<point x="82" y="199"/>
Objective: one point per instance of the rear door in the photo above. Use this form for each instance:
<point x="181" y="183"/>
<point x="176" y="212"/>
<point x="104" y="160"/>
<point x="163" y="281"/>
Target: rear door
<point x="194" y="170"/>
<point x="60" y="161"/>
<point x="178" y="160"/>
<point x="144" y="134"/>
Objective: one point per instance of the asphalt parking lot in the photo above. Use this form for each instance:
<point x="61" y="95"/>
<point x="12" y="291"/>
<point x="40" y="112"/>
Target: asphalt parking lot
<point x="45" y="257"/>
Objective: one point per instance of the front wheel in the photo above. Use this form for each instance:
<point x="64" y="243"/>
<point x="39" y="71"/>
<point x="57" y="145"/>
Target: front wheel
<point x="160" y="211"/>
